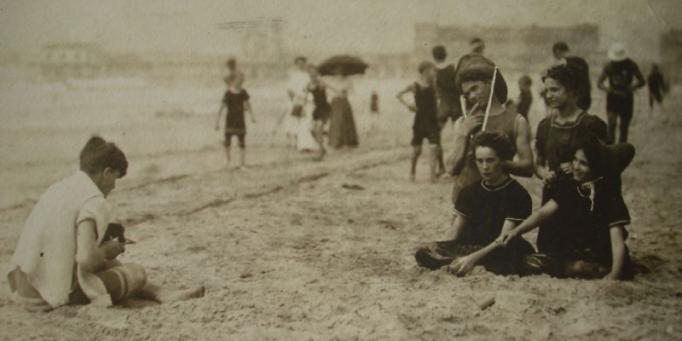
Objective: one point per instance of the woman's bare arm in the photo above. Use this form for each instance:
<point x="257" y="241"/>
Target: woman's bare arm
<point x="220" y="114"/>
<point x="247" y="108"/>
<point x="458" y="224"/>
<point x="600" y="82"/>
<point x="400" y="97"/>
<point x="464" y="264"/>
<point x="617" y="252"/>
<point x="538" y="217"/>
<point x="524" y="165"/>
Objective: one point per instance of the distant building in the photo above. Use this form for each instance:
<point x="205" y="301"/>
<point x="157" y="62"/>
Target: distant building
<point x="9" y="58"/>
<point x="262" y="53"/>
<point x="526" y="49"/>
<point x="73" y="60"/>
<point x="85" y="60"/>
<point x="671" y="55"/>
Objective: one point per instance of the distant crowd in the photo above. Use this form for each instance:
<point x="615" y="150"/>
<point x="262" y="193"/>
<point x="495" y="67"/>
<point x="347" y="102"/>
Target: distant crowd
<point x="305" y="119"/>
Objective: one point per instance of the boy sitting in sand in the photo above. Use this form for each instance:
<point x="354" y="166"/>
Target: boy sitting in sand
<point x="425" y="119"/>
<point x="62" y="258"/>
<point x="483" y="212"/>
<point x="236" y="101"/>
<point x="585" y="217"/>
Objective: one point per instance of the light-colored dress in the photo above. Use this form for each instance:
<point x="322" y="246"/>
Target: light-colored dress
<point x="301" y="126"/>
<point x="305" y="140"/>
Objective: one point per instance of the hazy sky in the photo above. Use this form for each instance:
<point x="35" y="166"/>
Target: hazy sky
<point x="334" y="26"/>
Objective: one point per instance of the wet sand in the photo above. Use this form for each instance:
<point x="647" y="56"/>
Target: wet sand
<point x="295" y="249"/>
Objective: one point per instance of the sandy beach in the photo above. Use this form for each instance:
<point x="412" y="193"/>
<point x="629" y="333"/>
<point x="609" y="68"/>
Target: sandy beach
<point x="294" y="249"/>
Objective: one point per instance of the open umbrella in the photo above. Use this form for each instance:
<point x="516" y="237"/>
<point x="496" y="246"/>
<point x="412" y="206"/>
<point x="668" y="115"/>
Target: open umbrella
<point x="343" y="64"/>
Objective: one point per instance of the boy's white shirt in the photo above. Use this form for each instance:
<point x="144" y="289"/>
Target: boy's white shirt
<point x="46" y="250"/>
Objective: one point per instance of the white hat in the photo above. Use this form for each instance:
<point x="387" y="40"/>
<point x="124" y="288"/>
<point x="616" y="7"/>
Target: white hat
<point x="617" y="52"/>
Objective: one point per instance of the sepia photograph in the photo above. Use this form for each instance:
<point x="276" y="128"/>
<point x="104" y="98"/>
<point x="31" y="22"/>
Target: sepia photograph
<point x="340" y="170"/>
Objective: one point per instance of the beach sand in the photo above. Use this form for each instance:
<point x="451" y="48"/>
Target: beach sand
<point x="294" y="249"/>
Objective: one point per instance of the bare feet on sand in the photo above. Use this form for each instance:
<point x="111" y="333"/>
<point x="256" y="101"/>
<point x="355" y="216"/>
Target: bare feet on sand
<point x="440" y="172"/>
<point x="180" y="295"/>
<point x="158" y="294"/>
<point x="321" y="155"/>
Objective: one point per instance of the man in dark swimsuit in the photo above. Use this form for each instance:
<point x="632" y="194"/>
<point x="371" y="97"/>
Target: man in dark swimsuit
<point x="322" y="108"/>
<point x="448" y="96"/>
<point x="525" y="96"/>
<point x="620" y="72"/>
<point x="657" y="87"/>
<point x="425" y="119"/>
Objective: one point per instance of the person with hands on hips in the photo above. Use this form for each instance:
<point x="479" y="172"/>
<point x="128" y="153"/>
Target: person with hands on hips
<point x="425" y="126"/>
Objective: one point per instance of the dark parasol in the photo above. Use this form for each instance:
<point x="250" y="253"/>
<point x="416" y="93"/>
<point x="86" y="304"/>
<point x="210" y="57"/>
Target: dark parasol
<point x="343" y="64"/>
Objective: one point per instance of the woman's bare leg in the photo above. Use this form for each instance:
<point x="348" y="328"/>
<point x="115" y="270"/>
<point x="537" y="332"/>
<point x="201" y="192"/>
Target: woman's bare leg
<point x="433" y="162"/>
<point x="227" y="154"/>
<point x="156" y="293"/>
<point x="242" y="157"/>
<point x="416" y="151"/>
<point x="318" y="127"/>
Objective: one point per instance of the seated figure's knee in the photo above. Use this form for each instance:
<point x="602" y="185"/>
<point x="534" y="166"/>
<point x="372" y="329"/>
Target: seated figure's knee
<point x="536" y="264"/>
<point x="137" y="276"/>
<point x="428" y="256"/>
<point x="584" y="269"/>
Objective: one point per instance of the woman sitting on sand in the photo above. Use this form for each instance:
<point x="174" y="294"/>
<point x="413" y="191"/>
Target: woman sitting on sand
<point x="483" y="211"/>
<point x="62" y="258"/>
<point x="585" y="218"/>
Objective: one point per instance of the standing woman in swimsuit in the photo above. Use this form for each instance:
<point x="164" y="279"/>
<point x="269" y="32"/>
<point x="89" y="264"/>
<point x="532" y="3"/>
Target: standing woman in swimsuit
<point x="322" y="108"/>
<point x="558" y="134"/>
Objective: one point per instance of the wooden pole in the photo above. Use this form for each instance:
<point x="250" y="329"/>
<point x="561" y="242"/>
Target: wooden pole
<point x="490" y="100"/>
<point x="463" y="104"/>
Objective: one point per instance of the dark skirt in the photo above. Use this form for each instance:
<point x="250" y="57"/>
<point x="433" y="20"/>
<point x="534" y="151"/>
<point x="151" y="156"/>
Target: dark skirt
<point x="342" y="132"/>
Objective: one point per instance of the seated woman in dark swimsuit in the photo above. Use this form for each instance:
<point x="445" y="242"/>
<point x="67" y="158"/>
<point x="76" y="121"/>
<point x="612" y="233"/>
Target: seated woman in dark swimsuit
<point x="585" y="218"/>
<point x="485" y="210"/>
